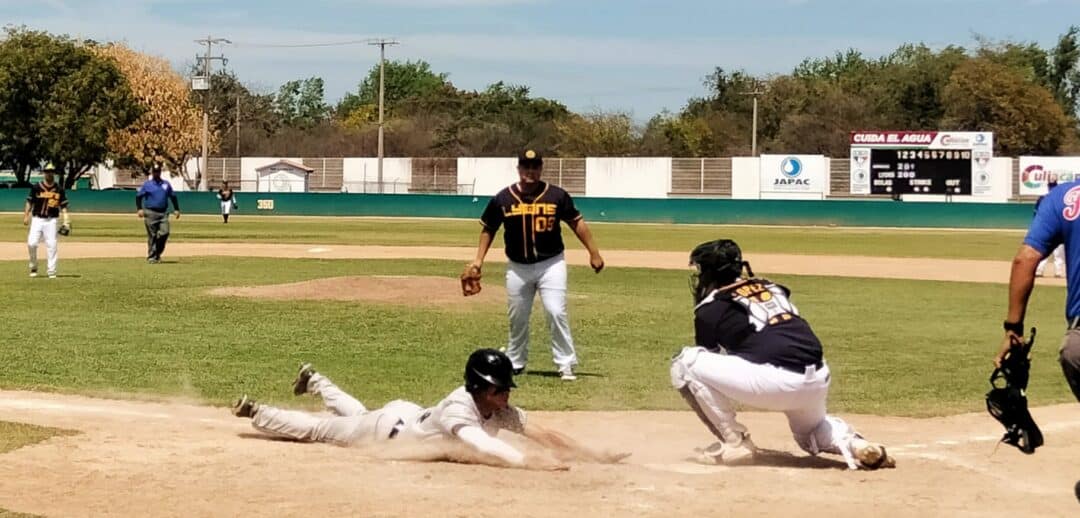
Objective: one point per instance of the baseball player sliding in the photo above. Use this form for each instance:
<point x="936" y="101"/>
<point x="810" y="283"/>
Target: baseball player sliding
<point x="472" y="414"/>
<point x="753" y="348"/>
<point x="46" y="202"/>
<point x="531" y="211"/>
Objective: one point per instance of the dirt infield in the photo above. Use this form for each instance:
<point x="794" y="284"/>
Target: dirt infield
<point x="172" y="459"/>
<point x="825" y="265"/>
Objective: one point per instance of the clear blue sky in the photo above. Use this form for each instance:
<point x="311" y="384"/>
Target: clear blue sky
<point x="640" y="56"/>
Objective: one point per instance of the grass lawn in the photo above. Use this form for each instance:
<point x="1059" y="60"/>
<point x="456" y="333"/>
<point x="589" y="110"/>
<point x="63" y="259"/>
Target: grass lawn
<point x="999" y="245"/>
<point x="121" y="326"/>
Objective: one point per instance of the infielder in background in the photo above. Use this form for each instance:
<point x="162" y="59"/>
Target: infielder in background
<point x="1055" y="224"/>
<point x="228" y="200"/>
<point x="472" y="414"/>
<point x="1059" y="251"/>
<point x="754" y="349"/>
<point x="46" y="202"/>
<point x="531" y="211"/>
<point x="152" y="202"/>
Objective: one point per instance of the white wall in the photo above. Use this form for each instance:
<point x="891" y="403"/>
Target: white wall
<point x="360" y="171"/>
<point x="745" y="178"/>
<point x="102" y="177"/>
<point x="490" y="175"/>
<point x="249" y="177"/>
<point x="629" y="177"/>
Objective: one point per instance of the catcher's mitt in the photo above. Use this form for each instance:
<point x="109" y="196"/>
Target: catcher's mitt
<point x="1008" y="404"/>
<point x="470" y="280"/>
<point x="64" y="229"/>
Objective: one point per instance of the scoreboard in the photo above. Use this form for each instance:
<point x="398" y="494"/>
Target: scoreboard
<point x="921" y="162"/>
<point x="924" y="171"/>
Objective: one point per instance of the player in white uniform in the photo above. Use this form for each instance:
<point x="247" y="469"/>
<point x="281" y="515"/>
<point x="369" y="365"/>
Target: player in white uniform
<point x="754" y="349"/>
<point x="473" y="414"/>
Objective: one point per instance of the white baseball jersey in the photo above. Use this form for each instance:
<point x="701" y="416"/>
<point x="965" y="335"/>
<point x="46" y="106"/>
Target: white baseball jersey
<point x="459" y="409"/>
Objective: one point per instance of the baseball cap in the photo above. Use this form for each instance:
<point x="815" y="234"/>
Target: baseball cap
<point x="530" y="158"/>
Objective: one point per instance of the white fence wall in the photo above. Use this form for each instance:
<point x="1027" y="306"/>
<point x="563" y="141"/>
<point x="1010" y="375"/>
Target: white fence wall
<point x="628" y="177"/>
<point x="746" y="178"/>
<point x="359" y="174"/>
<point x="487" y="175"/>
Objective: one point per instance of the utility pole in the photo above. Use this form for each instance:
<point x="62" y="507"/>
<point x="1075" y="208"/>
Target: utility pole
<point x="382" y="43"/>
<point x="238" y="125"/>
<point x="205" y="60"/>
<point x="753" y="138"/>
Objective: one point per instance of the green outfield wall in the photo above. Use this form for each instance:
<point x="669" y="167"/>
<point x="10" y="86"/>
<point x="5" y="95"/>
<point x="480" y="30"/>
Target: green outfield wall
<point x="852" y="213"/>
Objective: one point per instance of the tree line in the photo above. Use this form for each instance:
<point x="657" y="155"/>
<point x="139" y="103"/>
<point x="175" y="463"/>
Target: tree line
<point x="76" y="103"/>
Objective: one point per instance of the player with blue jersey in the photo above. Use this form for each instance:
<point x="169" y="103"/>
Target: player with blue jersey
<point x="1055" y="224"/>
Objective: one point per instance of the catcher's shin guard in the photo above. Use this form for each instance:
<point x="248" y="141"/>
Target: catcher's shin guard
<point x="1008" y="404"/>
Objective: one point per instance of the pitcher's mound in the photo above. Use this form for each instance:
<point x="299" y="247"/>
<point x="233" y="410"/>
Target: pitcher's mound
<point x="442" y="292"/>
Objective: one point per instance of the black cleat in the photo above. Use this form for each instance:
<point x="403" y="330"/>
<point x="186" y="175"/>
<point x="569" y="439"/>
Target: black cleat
<point x="300" y="385"/>
<point x="245" y="407"/>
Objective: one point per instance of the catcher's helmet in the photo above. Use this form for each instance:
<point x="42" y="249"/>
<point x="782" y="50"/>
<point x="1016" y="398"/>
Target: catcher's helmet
<point x="488" y="367"/>
<point x="718" y="263"/>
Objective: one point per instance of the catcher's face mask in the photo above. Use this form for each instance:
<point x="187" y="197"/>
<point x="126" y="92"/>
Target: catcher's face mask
<point x="1007" y="399"/>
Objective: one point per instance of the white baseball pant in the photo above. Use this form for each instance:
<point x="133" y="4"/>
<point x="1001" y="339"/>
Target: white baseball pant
<point x="351" y="422"/>
<point x="718" y="381"/>
<point x="1059" y="262"/>
<point x="522" y="283"/>
<point x="42" y="227"/>
<point x="226" y="207"/>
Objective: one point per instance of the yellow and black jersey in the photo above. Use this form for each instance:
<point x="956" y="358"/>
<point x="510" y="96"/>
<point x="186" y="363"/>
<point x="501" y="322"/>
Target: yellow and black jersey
<point x="532" y="220"/>
<point x="46" y="200"/>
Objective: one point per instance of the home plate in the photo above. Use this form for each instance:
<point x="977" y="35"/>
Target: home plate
<point x="318" y="250"/>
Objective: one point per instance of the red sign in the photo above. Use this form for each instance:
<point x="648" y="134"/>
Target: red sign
<point x="909" y="138"/>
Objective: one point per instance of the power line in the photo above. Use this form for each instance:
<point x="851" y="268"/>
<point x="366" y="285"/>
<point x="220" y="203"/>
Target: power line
<point x="368" y="41"/>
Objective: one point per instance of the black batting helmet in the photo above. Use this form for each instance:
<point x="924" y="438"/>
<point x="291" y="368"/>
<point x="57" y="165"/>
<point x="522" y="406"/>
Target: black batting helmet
<point x="718" y="263"/>
<point x="488" y="367"/>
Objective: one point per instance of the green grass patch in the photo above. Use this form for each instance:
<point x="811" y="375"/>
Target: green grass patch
<point x="16" y="435"/>
<point x="4" y="513"/>
<point x="1000" y="245"/>
<point x="121" y="326"/>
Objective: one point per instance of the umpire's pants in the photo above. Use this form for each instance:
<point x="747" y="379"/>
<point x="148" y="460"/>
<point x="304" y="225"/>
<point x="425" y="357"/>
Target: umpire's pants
<point x="1070" y="360"/>
<point x="157" y="232"/>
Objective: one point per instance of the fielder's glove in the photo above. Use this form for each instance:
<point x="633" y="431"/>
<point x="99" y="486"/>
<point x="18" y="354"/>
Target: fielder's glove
<point x="470" y="281"/>
<point x="64" y="229"/>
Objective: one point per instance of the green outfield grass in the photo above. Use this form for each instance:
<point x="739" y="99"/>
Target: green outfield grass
<point x="1000" y="245"/>
<point x="123" y="327"/>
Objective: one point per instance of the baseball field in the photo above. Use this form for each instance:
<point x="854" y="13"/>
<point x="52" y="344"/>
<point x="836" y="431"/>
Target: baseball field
<point x="118" y="374"/>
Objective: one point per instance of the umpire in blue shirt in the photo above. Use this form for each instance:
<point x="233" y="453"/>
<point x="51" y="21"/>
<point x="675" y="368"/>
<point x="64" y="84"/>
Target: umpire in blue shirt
<point x="1057" y="222"/>
<point x="152" y="202"/>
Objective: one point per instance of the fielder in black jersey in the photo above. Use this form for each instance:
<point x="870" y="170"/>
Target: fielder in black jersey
<point x="46" y="203"/>
<point x="755" y="349"/>
<point x="531" y="212"/>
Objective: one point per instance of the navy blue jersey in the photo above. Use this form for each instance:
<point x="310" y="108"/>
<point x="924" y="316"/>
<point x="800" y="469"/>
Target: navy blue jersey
<point x="46" y="200"/>
<point x="756" y="321"/>
<point x="531" y="220"/>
